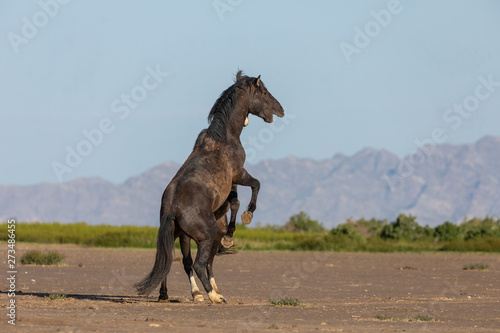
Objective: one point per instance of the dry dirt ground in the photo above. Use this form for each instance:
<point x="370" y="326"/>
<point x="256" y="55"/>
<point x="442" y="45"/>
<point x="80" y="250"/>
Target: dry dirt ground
<point x="339" y="292"/>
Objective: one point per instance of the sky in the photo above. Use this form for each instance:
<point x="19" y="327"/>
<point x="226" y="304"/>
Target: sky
<point x="111" y="89"/>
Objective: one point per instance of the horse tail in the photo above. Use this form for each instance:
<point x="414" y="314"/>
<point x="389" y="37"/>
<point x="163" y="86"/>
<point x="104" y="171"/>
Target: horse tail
<point x="164" y="256"/>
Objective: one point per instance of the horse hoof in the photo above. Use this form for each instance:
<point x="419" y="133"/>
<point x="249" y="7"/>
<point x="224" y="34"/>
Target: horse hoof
<point x="227" y="241"/>
<point x="163" y="299"/>
<point x="246" y="217"/>
<point x="220" y="300"/>
<point x="216" y="297"/>
<point x="197" y="297"/>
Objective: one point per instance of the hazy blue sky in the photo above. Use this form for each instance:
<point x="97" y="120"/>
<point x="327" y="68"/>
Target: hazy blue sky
<point x="350" y="74"/>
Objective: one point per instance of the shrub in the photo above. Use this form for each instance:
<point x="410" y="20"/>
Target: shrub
<point x="405" y="227"/>
<point x="301" y="222"/>
<point x="480" y="228"/>
<point x="350" y="231"/>
<point x="368" y="228"/>
<point x="447" y="231"/>
<point x="36" y="257"/>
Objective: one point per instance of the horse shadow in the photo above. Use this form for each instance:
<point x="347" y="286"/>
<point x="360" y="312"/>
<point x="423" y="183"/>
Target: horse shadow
<point x="98" y="297"/>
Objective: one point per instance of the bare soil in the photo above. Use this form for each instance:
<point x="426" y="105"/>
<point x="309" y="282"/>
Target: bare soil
<point x="338" y="292"/>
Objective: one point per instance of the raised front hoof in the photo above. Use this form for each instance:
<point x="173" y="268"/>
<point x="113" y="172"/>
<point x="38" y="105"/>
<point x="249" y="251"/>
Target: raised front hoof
<point x="216" y="297"/>
<point x="197" y="296"/>
<point x="246" y="217"/>
<point x="227" y="241"/>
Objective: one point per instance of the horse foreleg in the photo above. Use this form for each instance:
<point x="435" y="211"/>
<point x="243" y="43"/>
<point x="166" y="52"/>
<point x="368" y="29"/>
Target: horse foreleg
<point x="208" y="239"/>
<point x="215" y="248"/>
<point x="247" y="180"/>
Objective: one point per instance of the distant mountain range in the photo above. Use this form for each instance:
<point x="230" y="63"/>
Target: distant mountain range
<point x="440" y="183"/>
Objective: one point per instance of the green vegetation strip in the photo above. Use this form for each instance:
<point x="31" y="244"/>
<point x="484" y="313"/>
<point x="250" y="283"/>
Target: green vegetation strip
<point x="300" y="233"/>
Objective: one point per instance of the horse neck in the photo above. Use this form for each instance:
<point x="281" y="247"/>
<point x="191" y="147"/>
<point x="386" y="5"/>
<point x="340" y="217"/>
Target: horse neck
<point x="233" y="125"/>
<point x="236" y="123"/>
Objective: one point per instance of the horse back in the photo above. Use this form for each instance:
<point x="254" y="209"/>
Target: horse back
<point x="204" y="179"/>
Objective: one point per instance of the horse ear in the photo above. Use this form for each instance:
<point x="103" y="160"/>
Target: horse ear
<point x="239" y="75"/>
<point x="257" y="83"/>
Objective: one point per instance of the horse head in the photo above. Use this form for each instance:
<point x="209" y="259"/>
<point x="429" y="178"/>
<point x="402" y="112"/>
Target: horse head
<point x="260" y="101"/>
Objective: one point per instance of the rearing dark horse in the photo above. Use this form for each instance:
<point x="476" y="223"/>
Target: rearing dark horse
<point x="196" y="198"/>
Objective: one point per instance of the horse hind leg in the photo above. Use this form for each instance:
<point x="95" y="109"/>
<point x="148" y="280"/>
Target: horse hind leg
<point x="187" y="261"/>
<point x="163" y="292"/>
<point x="208" y="237"/>
<point x="163" y="289"/>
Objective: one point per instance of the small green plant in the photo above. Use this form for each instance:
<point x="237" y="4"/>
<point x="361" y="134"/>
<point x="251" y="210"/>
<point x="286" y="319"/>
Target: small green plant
<point x="273" y="327"/>
<point x="384" y="317"/>
<point x="476" y="267"/>
<point x="285" y="302"/>
<point x="35" y="257"/>
<point x="53" y="297"/>
<point x="422" y="318"/>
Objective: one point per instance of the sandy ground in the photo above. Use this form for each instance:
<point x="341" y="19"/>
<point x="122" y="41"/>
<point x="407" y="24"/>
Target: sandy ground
<point x="339" y="292"/>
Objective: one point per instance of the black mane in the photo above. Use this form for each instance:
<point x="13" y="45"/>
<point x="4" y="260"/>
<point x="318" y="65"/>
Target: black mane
<point x="218" y="117"/>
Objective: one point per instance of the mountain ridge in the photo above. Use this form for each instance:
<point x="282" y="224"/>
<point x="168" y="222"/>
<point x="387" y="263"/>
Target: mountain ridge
<point x="449" y="183"/>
